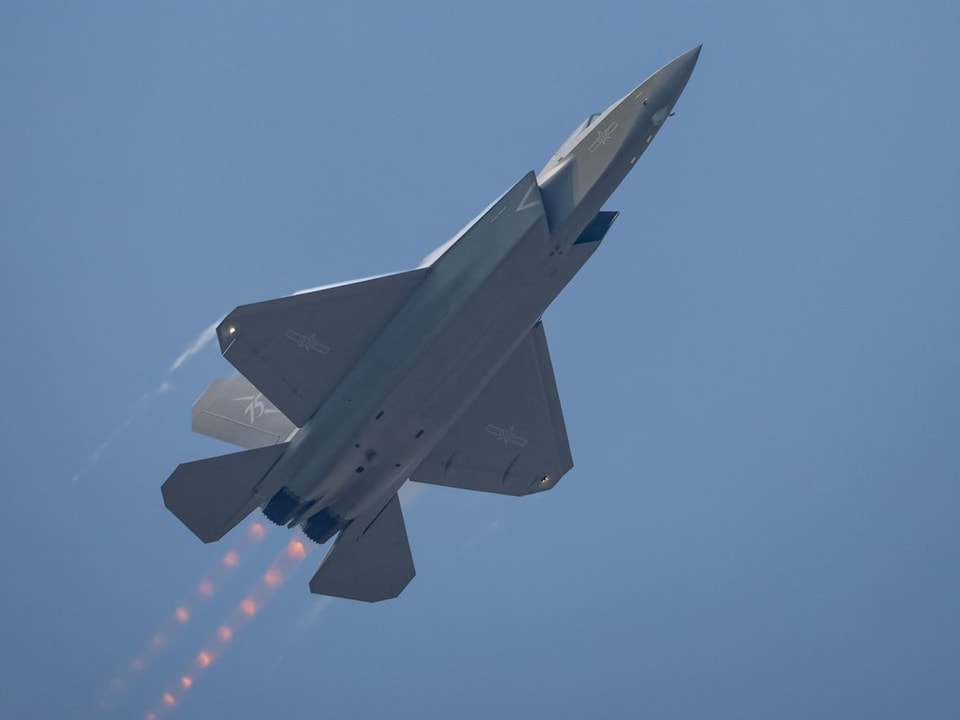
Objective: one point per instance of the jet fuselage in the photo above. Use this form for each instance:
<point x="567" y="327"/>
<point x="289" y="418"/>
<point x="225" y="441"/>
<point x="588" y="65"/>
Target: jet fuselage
<point x="439" y="374"/>
<point x="476" y="304"/>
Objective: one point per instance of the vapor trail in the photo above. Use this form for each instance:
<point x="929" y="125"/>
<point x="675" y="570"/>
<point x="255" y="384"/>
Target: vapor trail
<point x="145" y="401"/>
<point x="199" y="343"/>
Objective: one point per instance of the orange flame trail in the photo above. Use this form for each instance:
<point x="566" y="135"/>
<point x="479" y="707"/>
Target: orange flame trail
<point x="282" y="567"/>
<point x="180" y="617"/>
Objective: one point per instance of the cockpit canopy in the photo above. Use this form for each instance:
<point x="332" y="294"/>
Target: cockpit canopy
<point x="575" y="136"/>
<point x="571" y="142"/>
<point x="587" y="123"/>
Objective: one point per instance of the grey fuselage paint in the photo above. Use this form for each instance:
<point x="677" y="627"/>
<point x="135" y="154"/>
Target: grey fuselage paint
<point x="475" y="305"/>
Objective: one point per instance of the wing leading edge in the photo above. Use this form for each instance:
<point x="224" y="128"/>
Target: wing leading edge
<point x="296" y="349"/>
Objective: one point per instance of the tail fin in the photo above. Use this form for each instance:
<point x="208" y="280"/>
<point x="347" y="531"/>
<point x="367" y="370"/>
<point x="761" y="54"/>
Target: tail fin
<point x="211" y="496"/>
<point x="371" y="559"/>
<point x="233" y="410"/>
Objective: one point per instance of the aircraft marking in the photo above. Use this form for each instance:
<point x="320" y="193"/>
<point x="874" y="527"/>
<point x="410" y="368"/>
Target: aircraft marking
<point x="496" y="217"/>
<point x="307" y="342"/>
<point x="603" y="135"/>
<point x="256" y="407"/>
<point x="526" y="203"/>
<point x="506" y="435"/>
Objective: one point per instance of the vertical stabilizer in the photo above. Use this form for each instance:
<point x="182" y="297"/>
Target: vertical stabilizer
<point x="371" y="559"/>
<point x="211" y="496"/>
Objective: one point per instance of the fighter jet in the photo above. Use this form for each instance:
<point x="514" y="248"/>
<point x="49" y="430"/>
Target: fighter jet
<point x="437" y="375"/>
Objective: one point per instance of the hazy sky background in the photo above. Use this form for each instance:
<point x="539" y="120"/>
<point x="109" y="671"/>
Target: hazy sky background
<point x="760" y="368"/>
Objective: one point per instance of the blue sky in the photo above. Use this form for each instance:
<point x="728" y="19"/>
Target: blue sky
<point x="760" y="368"/>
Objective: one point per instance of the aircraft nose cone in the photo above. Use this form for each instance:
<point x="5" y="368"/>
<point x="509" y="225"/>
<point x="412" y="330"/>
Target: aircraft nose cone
<point x="673" y="76"/>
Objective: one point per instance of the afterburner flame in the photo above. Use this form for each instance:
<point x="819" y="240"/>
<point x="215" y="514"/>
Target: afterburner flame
<point x="296" y="549"/>
<point x="207" y="587"/>
<point x="255" y="599"/>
